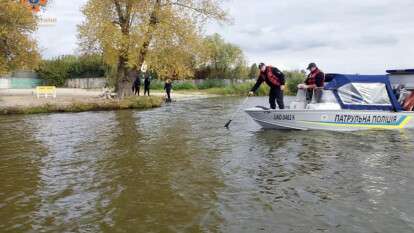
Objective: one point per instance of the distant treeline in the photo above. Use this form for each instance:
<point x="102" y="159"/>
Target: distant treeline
<point x="56" y="71"/>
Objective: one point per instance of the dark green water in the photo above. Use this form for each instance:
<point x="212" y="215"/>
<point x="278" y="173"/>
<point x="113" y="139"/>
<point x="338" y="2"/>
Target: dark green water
<point x="177" y="169"/>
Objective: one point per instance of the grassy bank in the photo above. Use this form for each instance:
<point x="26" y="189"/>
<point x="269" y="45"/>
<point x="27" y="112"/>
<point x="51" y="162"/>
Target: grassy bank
<point x="239" y="89"/>
<point x="99" y="105"/>
<point x="243" y="90"/>
<point x="218" y="87"/>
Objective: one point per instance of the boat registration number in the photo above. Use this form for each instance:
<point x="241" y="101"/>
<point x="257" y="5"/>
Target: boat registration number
<point x="284" y="117"/>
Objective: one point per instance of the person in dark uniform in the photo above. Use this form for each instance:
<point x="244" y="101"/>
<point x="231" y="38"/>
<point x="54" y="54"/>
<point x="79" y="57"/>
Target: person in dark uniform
<point x="275" y="79"/>
<point x="147" y="84"/>
<point x="167" y="88"/>
<point x="134" y="75"/>
<point x="314" y="83"/>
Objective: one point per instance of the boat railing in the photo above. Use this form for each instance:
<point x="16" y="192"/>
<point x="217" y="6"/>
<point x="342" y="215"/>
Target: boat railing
<point x="301" y="95"/>
<point x="320" y="99"/>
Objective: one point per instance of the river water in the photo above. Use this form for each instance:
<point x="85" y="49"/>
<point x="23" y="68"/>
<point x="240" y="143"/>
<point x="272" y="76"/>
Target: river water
<point x="177" y="169"/>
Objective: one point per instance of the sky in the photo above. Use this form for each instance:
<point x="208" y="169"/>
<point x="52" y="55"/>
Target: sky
<point x="341" y="36"/>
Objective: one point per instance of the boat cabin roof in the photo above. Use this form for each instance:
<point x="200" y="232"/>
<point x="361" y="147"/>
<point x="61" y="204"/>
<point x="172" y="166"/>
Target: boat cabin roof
<point x="396" y="72"/>
<point x="363" y="92"/>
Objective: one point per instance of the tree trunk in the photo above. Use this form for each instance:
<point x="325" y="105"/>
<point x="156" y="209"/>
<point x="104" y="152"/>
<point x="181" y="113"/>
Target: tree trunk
<point x="124" y="88"/>
<point x="124" y="82"/>
<point x="154" y="20"/>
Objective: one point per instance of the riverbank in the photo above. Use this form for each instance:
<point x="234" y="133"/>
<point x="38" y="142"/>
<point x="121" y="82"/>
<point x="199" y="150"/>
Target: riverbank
<point x="82" y="106"/>
<point x="23" y="101"/>
<point x="241" y="89"/>
<point x="15" y="101"/>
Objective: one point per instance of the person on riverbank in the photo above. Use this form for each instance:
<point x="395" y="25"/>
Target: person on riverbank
<point x="275" y="79"/>
<point x="168" y="88"/>
<point x="147" y="84"/>
<point x="314" y="83"/>
<point x="134" y="75"/>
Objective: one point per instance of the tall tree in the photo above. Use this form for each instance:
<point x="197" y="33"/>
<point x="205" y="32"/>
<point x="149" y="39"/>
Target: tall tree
<point x="254" y="71"/>
<point x="17" y="49"/>
<point x="159" y="32"/>
<point x="223" y="60"/>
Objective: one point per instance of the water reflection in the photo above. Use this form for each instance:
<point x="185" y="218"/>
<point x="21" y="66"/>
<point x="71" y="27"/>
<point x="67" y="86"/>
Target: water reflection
<point x="177" y="169"/>
<point x="155" y="172"/>
<point x="69" y="178"/>
<point x="20" y="156"/>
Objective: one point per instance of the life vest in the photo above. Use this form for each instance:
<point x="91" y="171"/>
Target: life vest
<point x="311" y="80"/>
<point x="409" y="102"/>
<point x="272" y="78"/>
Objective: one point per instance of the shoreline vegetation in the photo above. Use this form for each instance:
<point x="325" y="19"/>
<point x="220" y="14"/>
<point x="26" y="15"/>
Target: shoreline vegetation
<point x="82" y="100"/>
<point x="23" y="102"/>
<point x="215" y="87"/>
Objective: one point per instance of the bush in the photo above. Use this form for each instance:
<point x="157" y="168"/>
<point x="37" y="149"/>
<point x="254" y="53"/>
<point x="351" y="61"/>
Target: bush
<point x="293" y="78"/>
<point x="56" y="71"/>
<point x="87" y="66"/>
<point x="184" y="86"/>
<point x="239" y="89"/>
<point x="157" y="84"/>
<point x="211" y="83"/>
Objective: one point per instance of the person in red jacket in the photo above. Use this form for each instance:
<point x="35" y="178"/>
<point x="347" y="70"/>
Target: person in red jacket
<point x="275" y="79"/>
<point x="314" y="83"/>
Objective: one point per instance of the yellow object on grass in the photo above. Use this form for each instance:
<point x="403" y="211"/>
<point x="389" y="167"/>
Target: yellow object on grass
<point x="46" y="91"/>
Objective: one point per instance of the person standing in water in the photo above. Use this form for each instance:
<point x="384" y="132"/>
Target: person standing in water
<point x="275" y="79"/>
<point x="147" y="84"/>
<point x="168" y="88"/>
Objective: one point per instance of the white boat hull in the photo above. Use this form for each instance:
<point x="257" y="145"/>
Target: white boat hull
<point x="332" y="120"/>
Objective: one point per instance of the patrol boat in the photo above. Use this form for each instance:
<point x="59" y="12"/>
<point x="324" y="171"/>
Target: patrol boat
<point x="348" y="103"/>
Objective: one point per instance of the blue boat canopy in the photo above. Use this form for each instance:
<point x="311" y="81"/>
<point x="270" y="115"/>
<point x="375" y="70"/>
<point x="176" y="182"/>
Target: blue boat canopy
<point x="406" y="71"/>
<point x="363" y="92"/>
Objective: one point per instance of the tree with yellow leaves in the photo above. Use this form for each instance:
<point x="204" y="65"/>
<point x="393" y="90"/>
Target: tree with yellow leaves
<point x="163" y="33"/>
<point x="17" y="49"/>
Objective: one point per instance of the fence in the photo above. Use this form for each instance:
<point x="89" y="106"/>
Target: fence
<point x="24" y="80"/>
<point x="4" y="82"/>
<point x="86" y="83"/>
<point x="20" y="80"/>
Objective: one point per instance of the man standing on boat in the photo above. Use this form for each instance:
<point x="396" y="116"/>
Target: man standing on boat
<point x="314" y="83"/>
<point x="275" y="79"/>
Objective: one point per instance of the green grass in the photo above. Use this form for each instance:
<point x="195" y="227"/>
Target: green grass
<point x="218" y="87"/>
<point x="185" y="86"/>
<point x="159" y="85"/>
<point x="104" y="105"/>
<point x="211" y="83"/>
<point x="239" y="89"/>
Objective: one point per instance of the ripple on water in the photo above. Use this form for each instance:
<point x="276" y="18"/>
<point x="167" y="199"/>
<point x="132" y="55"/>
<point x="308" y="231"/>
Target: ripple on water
<point x="177" y="169"/>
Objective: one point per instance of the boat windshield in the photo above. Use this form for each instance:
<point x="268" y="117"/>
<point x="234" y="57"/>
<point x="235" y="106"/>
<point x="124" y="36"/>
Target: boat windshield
<point x="364" y="94"/>
<point x="327" y="97"/>
<point x="324" y="99"/>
